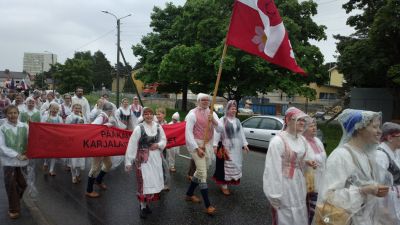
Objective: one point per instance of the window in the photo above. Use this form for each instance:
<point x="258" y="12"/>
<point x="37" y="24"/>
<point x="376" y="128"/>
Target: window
<point x="252" y="122"/>
<point x="324" y="95"/>
<point x="270" y="124"/>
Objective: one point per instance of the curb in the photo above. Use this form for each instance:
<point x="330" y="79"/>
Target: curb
<point x="36" y="213"/>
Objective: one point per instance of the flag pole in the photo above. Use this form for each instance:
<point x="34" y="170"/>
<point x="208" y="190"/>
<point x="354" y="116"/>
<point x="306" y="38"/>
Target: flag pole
<point x="215" y="94"/>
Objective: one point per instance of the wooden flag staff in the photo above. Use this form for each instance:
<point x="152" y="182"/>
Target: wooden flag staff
<point x="214" y="96"/>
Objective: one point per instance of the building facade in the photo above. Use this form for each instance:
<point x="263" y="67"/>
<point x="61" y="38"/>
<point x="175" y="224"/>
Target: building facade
<point x="35" y="63"/>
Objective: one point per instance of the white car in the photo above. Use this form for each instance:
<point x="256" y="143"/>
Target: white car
<point x="259" y="130"/>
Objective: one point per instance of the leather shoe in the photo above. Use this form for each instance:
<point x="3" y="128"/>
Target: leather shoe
<point x="13" y="215"/>
<point x="102" y="186"/>
<point x="225" y="191"/>
<point x="210" y="210"/>
<point x="193" y="199"/>
<point x="92" y="194"/>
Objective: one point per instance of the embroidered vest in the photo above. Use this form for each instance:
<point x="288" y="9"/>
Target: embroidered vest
<point x="25" y="117"/>
<point x="18" y="141"/>
<point x="145" y="141"/>
<point x="53" y="120"/>
<point x="291" y="160"/>
<point x="201" y="124"/>
<point x="124" y="118"/>
<point x="138" y="112"/>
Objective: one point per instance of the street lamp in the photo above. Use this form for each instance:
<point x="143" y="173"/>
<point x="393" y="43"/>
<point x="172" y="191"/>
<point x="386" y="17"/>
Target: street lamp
<point x="118" y="48"/>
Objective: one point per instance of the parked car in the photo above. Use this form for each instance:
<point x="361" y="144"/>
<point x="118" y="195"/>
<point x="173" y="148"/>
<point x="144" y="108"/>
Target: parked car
<point x="259" y="130"/>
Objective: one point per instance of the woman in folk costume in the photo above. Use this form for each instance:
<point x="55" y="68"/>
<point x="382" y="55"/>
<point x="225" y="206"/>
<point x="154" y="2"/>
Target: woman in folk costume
<point x="19" y="101"/>
<point x="144" y="150"/>
<point x="316" y="152"/>
<point x="228" y="168"/>
<point x="29" y="113"/>
<point x="44" y="109"/>
<point x="66" y="107"/>
<point x="353" y="183"/>
<point x="387" y="158"/>
<point x="172" y="152"/>
<point x="137" y="111"/>
<point x="77" y="164"/>
<point x="51" y="117"/>
<point x="13" y="142"/>
<point x="200" y="147"/>
<point x="100" y="165"/>
<point x="284" y="183"/>
<point x="4" y="103"/>
<point x="96" y="109"/>
<point x="124" y="114"/>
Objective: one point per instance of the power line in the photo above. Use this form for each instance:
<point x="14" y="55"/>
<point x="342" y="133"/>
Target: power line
<point x="90" y="42"/>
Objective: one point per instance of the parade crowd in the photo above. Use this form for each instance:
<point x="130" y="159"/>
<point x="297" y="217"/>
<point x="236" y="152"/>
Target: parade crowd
<point x="357" y="184"/>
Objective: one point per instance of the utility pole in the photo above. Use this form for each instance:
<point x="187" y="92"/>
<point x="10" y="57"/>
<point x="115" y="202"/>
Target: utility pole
<point x="118" y="43"/>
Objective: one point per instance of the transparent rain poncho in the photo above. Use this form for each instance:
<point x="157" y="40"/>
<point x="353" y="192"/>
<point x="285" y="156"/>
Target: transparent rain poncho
<point x="341" y="199"/>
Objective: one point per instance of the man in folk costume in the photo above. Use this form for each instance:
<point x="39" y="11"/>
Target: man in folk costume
<point x="81" y="100"/>
<point x="100" y="165"/>
<point x="283" y="182"/>
<point x="29" y="113"/>
<point x="200" y="147"/>
<point x="145" y="149"/>
<point x="228" y="168"/>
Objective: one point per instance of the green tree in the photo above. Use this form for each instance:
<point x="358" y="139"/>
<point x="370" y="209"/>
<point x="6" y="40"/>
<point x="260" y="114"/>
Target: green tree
<point x="370" y="56"/>
<point x="75" y="72"/>
<point x="102" y="71"/>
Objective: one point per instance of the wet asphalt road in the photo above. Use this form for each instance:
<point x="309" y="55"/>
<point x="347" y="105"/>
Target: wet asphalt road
<point x="64" y="203"/>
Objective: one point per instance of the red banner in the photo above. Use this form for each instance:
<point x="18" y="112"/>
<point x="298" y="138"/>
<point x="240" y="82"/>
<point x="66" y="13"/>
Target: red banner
<point x="48" y="140"/>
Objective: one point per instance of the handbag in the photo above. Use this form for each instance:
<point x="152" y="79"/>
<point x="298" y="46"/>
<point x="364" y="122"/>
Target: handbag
<point x="329" y="214"/>
<point x="310" y="180"/>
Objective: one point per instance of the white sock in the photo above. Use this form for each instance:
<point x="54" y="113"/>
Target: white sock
<point x="143" y="205"/>
<point x="224" y="186"/>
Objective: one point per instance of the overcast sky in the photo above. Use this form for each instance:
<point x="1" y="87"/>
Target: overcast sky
<point x="63" y="27"/>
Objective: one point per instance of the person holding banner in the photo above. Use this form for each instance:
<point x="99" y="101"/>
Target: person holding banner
<point x="77" y="164"/>
<point x="13" y="142"/>
<point x="160" y="119"/>
<point x="52" y="117"/>
<point x="29" y="113"/>
<point x="100" y="165"/>
<point x="172" y="152"/>
<point x="228" y="168"/>
<point x="145" y="150"/>
<point x="198" y="121"/>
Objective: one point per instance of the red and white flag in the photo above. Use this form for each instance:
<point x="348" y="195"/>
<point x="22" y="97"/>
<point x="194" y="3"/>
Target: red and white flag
<point x="257" y="28"/>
